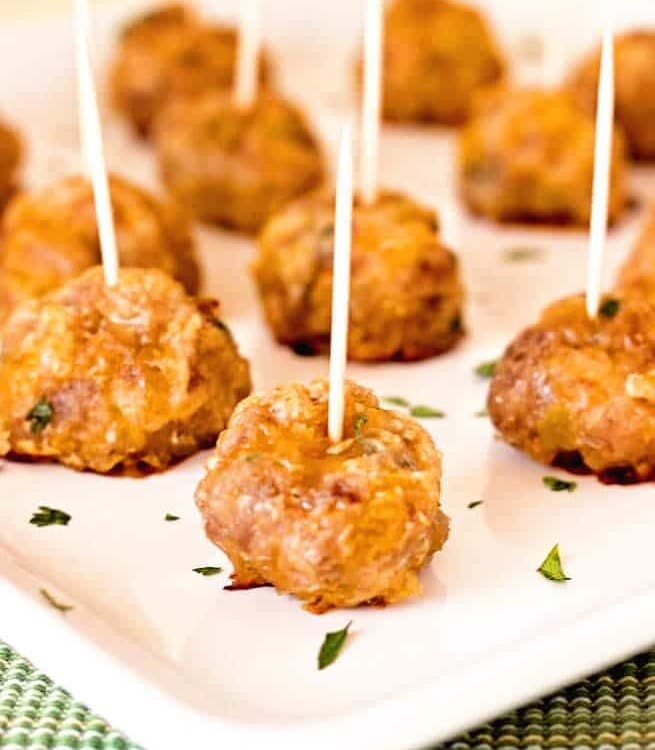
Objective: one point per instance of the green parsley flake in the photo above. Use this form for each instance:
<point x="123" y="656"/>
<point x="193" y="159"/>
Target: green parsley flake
<point x="54" y="603"/>
<point x="522" y="254"/>
<point x="486" y="369"/>
<point x="331" y="646"/>
<point x="171" y="517"/>
<point x="397" y="401"/>
<point x="358" y="424"/>
<point x="40" y="415"/>
<point x="426" y="412"/>
<point x="208" y="570"/>
<point x="481" y="413"/>
<point x="45" y="516"/>
<point x="609" y="307"/>
<point x="254" y="456"/>
<point x="558" y="485"/>
<point x="475" y="504"/>
<point x="551" y="567"/>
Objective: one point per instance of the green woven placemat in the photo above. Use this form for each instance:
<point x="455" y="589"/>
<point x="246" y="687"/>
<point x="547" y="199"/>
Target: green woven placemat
<point x="614" y="709"/>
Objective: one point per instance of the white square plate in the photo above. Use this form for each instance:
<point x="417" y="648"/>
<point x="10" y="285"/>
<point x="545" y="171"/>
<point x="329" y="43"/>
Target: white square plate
<point x="177" y="662"/>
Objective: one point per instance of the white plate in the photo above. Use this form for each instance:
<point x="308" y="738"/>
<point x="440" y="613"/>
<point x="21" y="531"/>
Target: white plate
<point x="176" y="662"/>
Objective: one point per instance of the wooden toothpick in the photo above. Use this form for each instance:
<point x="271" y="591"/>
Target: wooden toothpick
<point x="602" y="175"/>
<point x="341" y="286"/>
<point x="248" y="49"/>
<point x="371" y="100"/>
<point x="91" y="137"/>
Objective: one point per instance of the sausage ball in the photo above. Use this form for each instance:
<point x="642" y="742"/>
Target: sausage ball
<point x="334" y="525"/>
<point x="528" y="155"/>
<point x="237" y="167"/>
<point x="11" y="293"/>
<point x="437" y="54"/>
<point x="634" y="56"/>
<point x="406" y="295"/>
<point x="51" y="236"/>
<point x="580" y="393"/>
<point x="11" y="154"/>
<point x="167" y="53"/>
<point x="637" y="275"/>
<point x="132" y="377"/>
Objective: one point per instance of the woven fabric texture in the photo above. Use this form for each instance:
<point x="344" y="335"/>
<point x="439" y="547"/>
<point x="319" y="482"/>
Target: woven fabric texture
<point x="615" y="709"/>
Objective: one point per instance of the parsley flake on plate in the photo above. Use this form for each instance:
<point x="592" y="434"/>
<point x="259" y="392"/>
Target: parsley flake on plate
<point x="331" y="646"/>
<point x="481" y="413"/>
<point x="521" y="254"/>
<point x="45" y="516"/>
<point x="475" y="504"/>
<point x="40" y="416"/>
<point x="397" y="401"/>
<point x="558" y="485"/>
<point x="54" y="603"/>
<point x="486" y="369"/>
<point x="551" y="567"/>
<point x="426" y="412"/>
<point x="171" y="517"/>
<point x="207" y="570"/>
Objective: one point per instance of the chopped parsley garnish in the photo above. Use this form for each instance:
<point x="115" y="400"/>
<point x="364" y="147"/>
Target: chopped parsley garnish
<point x="45" y="516"/>
<point x="208" y="570"/>
<point x="54" y="603"/>
<point x="521" y="254"/>
<point x="481" y="413"/>
<point x="397" y="401"/>
<point x="359" y="422"/>
<point x="558" y="485"/>
<point x="40" y="415"/>
<point x="551" y="567"/>
<point x="171" y="517"/>
<point x="331" y="646"/>
<point x="475" y="504"/>
<point x="486" y="369"/>
<point x="426" y="412"/>
<point x="609" y="307"/>
<point x="254" y="456"/>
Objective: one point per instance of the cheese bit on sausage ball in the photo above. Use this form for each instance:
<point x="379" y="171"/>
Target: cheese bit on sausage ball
<point x="634" y="56"/>
<point x="236" y="167"/>
<point x="132" y="377"/>
<point x="580" y="393"/>
<point x="51" y="236"/>
<point x="437" y="54"/>
<point x="167" y="53"/>
<point x="637" y="274"/>
<point x="336" y="525"/>
<point x="528" y="155"/>
<point x="11" y="155"/>
<point x="406" y="294"/>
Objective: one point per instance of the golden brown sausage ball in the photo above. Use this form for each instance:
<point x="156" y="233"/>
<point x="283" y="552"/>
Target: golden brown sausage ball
<point x="132" y="377"/>
<point x="51" y="236"/>
<point x="437" y="54"/>
<point x="634" y="55"/>
<point x="11" y="293"/>
<point x="11" y="154"/>
<point x="406" y="293"/>
<point x="167" y="53"/>
<point x="579" y="393"/>
<point x="528" y="155"/>
<point x="637" y="274"/>
<point x="334" y="525"/>
<point x="237" y="167"/>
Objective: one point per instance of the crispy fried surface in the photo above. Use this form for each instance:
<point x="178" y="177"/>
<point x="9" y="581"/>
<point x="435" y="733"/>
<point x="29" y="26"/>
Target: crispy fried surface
<point x="582" y="393"/>
<point x="437" y="54"/>
<point x="11" y="293"/>
<point x="406" y="293"/>
<point x="634" y="65"/>
<point x="137" y="376"/>
<point x="11" y="156"/>
<point x="528" y="154"/>
<point x="237" y="167"/>
<point x="51" y="236"/>
<point x="336" y="526"/>
<point x="168" y="53"/>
